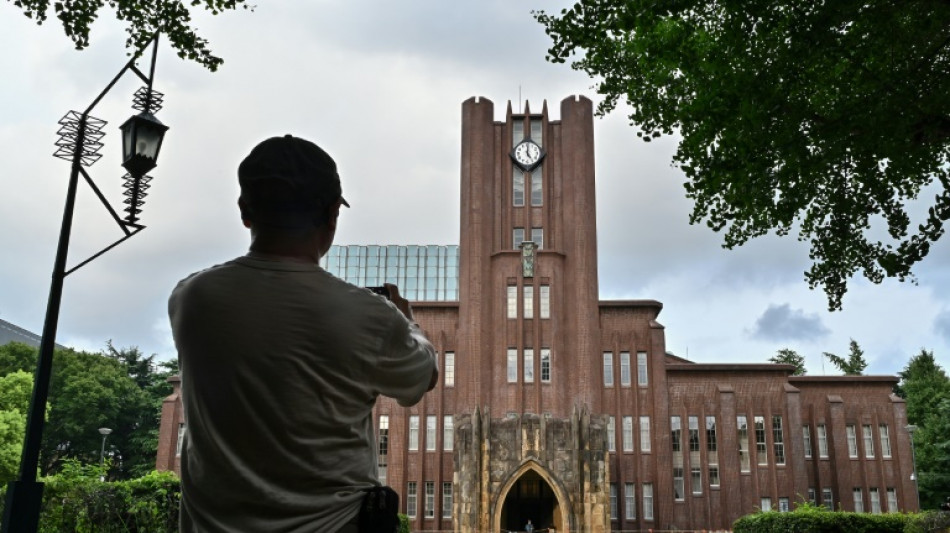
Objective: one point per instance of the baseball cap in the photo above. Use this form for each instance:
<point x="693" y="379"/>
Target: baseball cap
<point x="289" y="182"/>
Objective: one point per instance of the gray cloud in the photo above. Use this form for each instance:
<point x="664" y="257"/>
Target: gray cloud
<point x="942" y="324"/>
<point x="781" y="322"/>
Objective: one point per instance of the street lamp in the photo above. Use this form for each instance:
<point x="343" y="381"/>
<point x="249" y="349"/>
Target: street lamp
<point x="913" y="452"/>
<point x="79" y="143"/>
<point x="102" y="452"/>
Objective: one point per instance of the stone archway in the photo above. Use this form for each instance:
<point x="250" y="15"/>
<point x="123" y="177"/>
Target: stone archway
<point x="531" y="494"/>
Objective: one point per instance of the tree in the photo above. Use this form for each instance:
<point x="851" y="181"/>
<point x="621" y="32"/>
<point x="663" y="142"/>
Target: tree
<point x="142" y="19"/>
<point x="932" y="442"/>
<point x="825" y="118"/>
<point x="787" y="356"/>
<point x="924" y="384"/>
<point x="15" y="391"/>
<point x="854" y="365"/>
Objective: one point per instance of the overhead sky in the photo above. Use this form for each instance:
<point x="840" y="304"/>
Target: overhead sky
<point x="380" y="85"/>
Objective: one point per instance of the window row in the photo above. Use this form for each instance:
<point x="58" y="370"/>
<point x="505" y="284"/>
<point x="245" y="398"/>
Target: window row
<point x="625" y="377"/>
<point x="431" y="434"/>
<point x="522" y="182"/>
<point x="851" y="432"/>
<point x="627" y="434"/>
<point x="527" y="301"/>
<point x="429" y="503"/>
<point x="761" y="434"/>
<point x="873" y="501"/>
<point x="527" y="365"/>
<point x="537" y="237"/>
<point x="630" y="501"/>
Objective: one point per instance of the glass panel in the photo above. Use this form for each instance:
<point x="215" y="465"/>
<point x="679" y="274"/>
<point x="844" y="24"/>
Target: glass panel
<point x="517" y="187"/>
<point x="517" y="131"/>
<point x="529" y="365"/>
<point x="528" y="299"/>
<point x="611" y="434"/>
<point x="537" y="236"/>
<point x="537" y="192"/>
<point x="517" y="238"/>
<point x="512" y="365"/>
<point x="608" y="369"/>
<point x="545" y="365"/>
<point x="642" y="378"/>
<point x="537" y="134"/>
<point x="625" y="369"/>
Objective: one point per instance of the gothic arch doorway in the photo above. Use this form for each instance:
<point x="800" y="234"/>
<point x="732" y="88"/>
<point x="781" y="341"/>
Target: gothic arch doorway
<point x="529" y="495"/>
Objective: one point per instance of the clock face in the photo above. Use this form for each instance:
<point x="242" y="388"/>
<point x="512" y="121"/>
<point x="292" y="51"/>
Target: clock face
<point x="527" y="154"/>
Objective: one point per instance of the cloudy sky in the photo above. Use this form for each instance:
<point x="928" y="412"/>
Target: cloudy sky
<point x="355" y="76"/>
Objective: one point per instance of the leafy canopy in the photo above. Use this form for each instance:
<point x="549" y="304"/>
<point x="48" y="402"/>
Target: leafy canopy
<point x="825" y="118"/>
<point x="142" y="19"/>
<point x="787" y="356"/>
<point x="854" y="364"/>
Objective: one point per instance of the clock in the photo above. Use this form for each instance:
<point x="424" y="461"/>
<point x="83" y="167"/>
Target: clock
<point x="527" y="155"/>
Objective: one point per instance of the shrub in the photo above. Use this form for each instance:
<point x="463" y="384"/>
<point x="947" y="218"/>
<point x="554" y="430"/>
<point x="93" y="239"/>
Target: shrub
<point x="810" y="519"/>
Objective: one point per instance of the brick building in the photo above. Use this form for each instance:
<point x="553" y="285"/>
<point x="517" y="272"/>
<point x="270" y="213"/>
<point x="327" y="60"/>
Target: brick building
<point x="560" y="408"/>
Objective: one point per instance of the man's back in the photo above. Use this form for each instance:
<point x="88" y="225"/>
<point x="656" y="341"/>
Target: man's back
<point x="281" y="364"/>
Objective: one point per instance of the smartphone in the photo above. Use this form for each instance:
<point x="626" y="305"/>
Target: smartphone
<point x="382" y="291"/>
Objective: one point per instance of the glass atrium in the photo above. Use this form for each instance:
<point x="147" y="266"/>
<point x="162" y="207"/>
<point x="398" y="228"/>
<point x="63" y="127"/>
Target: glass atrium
<point x="422" y="273"/>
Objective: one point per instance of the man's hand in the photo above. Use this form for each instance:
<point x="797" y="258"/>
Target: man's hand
<point x="401" y="303"/>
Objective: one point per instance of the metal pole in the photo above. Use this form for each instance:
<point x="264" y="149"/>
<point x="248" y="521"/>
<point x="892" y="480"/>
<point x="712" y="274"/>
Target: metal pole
<point x="913" y="453"/>
<point x="21" y="512"/>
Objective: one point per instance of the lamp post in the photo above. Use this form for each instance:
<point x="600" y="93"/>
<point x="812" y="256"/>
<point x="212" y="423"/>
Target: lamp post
<point x="913" y="453"/>
<point x="80" y="143"/>
<point x="102" y="452"/>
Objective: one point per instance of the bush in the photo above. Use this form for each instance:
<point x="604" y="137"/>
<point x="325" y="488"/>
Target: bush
<point x="810" y="519"/>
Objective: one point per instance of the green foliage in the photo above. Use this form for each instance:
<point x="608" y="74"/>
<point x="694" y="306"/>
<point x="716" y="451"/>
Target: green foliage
<point x="142" y="19"/>
<point x="122" y="390"/>
<point x="923" y="384"/>
<point x="403" y="524"/>
<point x="932" y="443"/>
<point x="810" y="519"/>
<point x="799" y="116"/>
<point x="928" y="522"/>
<point x="787" y="356"/>
<point x="854" y="365"/>
<point x="75" y="500"/>
<point x="15" y="390"/>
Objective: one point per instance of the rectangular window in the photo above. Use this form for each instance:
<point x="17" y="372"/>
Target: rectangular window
<point x="512" y="301"/>
<point x="430" y="500"/>
<point x="642" y="378"/>
<point x="411" y="499"/>
<point x="608" y="369"/>
<point x="449" y="369"/>
<point x="382" y="443"/>
<point x="696" y="475"/>
<point x="430" y="433"/>
<point x="812" y="496"/>
<point x="545" y="365"/>
<point x="611" y="434"/>
<point x="678" y="484"/>
<point x="852" y="441"/>
<point x="765" y="504"/>
<point x="783" y="505"/>
<point x="693" y="436"/>
<point x="806" y="439"/>
<point x="628" y="434"/>
<point x="858" y="500"/>
<point x="625" y="369"/>
<point x="778" y="440"/>
<point x="512" y="365"/>
<point x="713" y="475"/>
<point x="676" y="432"/>
<point x="629" y="501"/>
<point x="517" y="238"/>
<point x="761" y="450"/>
<point x="446" y="500"/>
<point x="181" y="439"/>
<point x="645" y="434"/>
<point x="448" y="433"/>
<point x="711" y="444"/>
<point x="875" y="500"/>
<point x="528" y="297"/>
<point x="827" y="500"/>
<point x="544" y="301"/>
<point x="529" y="365"/>
<point x="648" y="501"/>
<point x="613" y="501"/>
<point x="885" y="441"/>
<point x="822" y="441"/>
<point x="517" y="131"/>
<point x="891" y="500"/>
<point x="742" y="425"/>
<point x="537" y="131"/>
<point x="517" y="190"/>
<point x="537" y="236"/>
<point x="868" y="441"/>
<point x="537" y="191"/>
<point x="413" y="433"/>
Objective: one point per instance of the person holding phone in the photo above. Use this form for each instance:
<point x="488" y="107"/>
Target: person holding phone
<point x="281" y="362"/>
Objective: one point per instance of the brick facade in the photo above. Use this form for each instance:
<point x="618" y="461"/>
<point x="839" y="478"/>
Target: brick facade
<point x="569" y="448"/>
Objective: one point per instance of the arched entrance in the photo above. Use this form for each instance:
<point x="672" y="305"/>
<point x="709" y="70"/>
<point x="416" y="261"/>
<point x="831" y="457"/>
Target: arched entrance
<point x="530" y="497"/>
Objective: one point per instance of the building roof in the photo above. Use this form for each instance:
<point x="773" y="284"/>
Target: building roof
<point x="13" y="333"/>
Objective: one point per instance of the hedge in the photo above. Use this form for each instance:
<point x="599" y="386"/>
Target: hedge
<point x="811" y="519"/>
